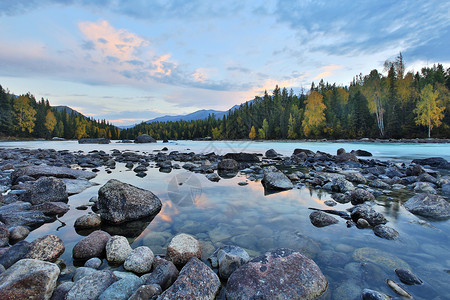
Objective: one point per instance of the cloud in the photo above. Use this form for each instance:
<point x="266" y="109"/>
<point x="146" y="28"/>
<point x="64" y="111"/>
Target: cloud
<point x="327" y="71"/>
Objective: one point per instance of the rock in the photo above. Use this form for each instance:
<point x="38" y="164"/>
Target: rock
<point x="428" y="205"/>
<point x="243" y="157"/>
<point x="321" y="219"/>
<point x="91" y="286"/>
<point x="437" y="162"/>
<point x="82" y="272"/>
<point x="61" y="290"/>
<point x="29" y="218"/>
<point x="446" y="190"/>
<point x="271" y="153"/>
<point x="18" y="233"/>
<point x="425" y="177"/>
<point x="88" y="221"/>
<point x="282" y="274"/>
<point x="362" y="223"/>
<point x="414" y="170"/>
<point x="407" y="277"/>
<point x="91" y="246"/>
<point x="360" y="196"/>
<point x="14" y="254"/>
<point x="121" y="202"/>
<point x="52" y="208"/>
<point x="424" y="187"/>
<point x="341" y="185"/>
<point x="46" y="248"/>
<point x="367" y="213"/>
<point x="76" y="186"/>
<point x="93" y="263"/>
<point x="361" y="152"/>
<point x="45" y="189"/>
<point x="340" y="151"/>
<point x="182" y="248"/>
<point x="140" y="168"/>
<point x="29" y="279"/>
<point x="122" y="289"/>
<point x="276" y="180"/>
<point x="380" y="258"/>
<point x="346" y="157"/>
<point x="229" y="258"/>
<point x="356" y="177"/>
<point x="213" y="177"/>
<point x="117" y="249"/>
<point x="94" y="141"/>
<point x="385" y="232"/>
<point x="4" y="235"/>
<point x="377" y="183"/>
<point x="164" y="273"/>
<point x="196" y="281"/>
<point x="139" y="260"/>
<point x="47" y="171"/>
<point x="147" y="291"/>
<point x="228" y="165"/>
<point x="144" y="138"/>
<point x="305" y="151"/>
<point x="341" y="198"/>
<point x="347" y="290"/>
<point x="368" y="294"/>
<point x="330" y="203"/>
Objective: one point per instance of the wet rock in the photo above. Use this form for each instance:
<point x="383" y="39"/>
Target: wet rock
<point x="46" y="248"/>
<point x="94" y="141"/>
<point x="139" y="260"/>
<point x="164" y="273"/>
<point x="341" y="185"/>
<point x="276" y="180"/>
<point x="117" y="249"/>
<point x="228" y="165"/>
<point x="140" y="168"/>
<point x="91" y="286"/>
<point x="437" y="162"/>
<point x="385" y="232"/>
<point x="29" y="218"/>
<point x="380" y="258"/>
<point x="330" y="203"/>
<point x="283" y="274"/>
<point x="14" y="254"/>
<point x="45" y="189"/>
<point x="414" y="170"/>
<point x="144" y="138"/>
<point x="305" y="151"/>
<point x="344" y="157"/>
<point x="424" y="187"/>
<point x="398" y="289"/>
<point x="243" y="157"/>
<point x="377" y="183"/>
<point x="196" y="281"/>
<point x="121" y="202"/>
<point x="91" y="246"/>
<point x="446" y="190"/>
<point x="76" y="186"/>
<point x="368" y="294"/>
<point x="213" y="177"/>
<point x="361" y="152"/>
<point x="122" y="289"/>
<point x="18" y="233"/>
<point x="360" y="196"/>
<point x="340" y="151"/>
<point x="61" y="290"/>
<point x="82" y="272"/>
<point x="182" y="248"/>
<point x="52" y="208"/>
<point x="321" y="219"/>
<point x="407" y="277"/>
<point x="356" y="177"/>
<point x="147" y="291"/>
<point x="4" y="235"/>
<point x="428" y="205"/>
<point x="347" y="290"/>
<point x="93" y="263"/>
<point x="29" y="278"/>
<point x="271" y="153"/>
<point x="47" y="171"/>
<point x="341" y="198"/>
<point x="362" y="223"/>
<point x="425" y="177"/>
<point x="88" y="221"/>
<point x="228" y="259"/>
<point x="367" y="213"/>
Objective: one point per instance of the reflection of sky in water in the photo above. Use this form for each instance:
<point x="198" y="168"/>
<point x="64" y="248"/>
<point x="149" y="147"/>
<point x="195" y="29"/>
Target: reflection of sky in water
<point x="226" y="213"/>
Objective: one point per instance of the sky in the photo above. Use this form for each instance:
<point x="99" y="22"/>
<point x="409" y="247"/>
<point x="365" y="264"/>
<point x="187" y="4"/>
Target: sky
<point x="131" y="61"/>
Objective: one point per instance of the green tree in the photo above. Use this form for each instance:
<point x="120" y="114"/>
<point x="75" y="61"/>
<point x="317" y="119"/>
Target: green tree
<point x="6" y="116"/>
<point x="314" y="113"/>
<point x="24" y="114"/>
<point x="216" y="133"/>
<point x="59" y="129"/>
<point x="292" y="134"/>
<point x="427" y="110"/>
<point x="265" y="128"/>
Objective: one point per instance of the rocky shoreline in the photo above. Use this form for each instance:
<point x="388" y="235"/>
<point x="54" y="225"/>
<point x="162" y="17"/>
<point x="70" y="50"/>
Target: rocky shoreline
<point x="37" y="183"/>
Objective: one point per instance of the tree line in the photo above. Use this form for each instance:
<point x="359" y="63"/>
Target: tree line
<point x="23" y="116"/>
<point x="398" y="105"/>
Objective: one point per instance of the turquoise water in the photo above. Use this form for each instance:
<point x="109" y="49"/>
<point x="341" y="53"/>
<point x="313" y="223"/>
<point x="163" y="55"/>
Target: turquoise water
<point x="226" y="213"/>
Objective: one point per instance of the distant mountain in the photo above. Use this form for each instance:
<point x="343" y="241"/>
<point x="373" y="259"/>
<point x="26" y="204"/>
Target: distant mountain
<point x="67" y="109"/>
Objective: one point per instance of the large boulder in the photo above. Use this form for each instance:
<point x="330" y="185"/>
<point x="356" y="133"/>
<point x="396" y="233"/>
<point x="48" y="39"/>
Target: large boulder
<point x="428" y="205"/>
<point x="91" y="246"/>
<point x="20" y="214"/>
<point x="196" y="281"/>
<point x="144" y="138"/>
<point x="121" y="202"/>
<point x="182" y="248"/>
<point x="280" y="274"/>
<point x="437" y="162"/>
<point x="94" y="141"/>
<point x="117" y="249"/>
<point x="29" y="279"/>
<point x="271" y="153"/>
<point x="228" y="164"/>
<point x="305" y="151"/>
<point x="91" y="286"/>
<point x="276" y="180"/>
<point x="360" y="152"/>
<point x="47" y="171"/>
<point x="243" y="157"/>
<point x="46" y="248"/>
<point x="45" y="189"/>
<point x="346" y="157"/>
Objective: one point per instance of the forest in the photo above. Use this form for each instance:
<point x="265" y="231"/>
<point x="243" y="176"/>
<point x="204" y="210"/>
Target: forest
<point x="398" y="105"/>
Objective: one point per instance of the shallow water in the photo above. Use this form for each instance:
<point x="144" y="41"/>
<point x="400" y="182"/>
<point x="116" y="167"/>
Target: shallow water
<point x="226" y="213"/>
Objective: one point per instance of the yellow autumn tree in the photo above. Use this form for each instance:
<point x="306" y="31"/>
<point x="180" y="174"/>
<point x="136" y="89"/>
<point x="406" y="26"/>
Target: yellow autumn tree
<point x="216" y="133"/>
<point x="24" y="113"/>
<point x="428" y="112"/>
<point x="50" y="121"/>
<point x="314" y="113"/>
<point x="252" y="133"/>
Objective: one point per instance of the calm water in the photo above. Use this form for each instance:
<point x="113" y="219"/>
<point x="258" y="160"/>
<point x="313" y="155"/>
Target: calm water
<point x="226" y="213"/>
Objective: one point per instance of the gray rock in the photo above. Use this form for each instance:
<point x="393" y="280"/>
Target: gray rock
<point x="47" y="171"/>
<point x="88" y="221"/>
<point x="122" y="289"/>
<point x="91" y="286"/>
<point x="428" y="205"/>
<point x="276" y="180"/>
<point x="437" y="162"/>
<point x="164" y="273"/>
<point x="18" y="233"/>
<point x="82" y="272"/>
<point x="94" y="141"/>
<point x="377" y="183"/>
<point x="340" y="151"/>
<point x="139" y="260"/>
<point x="147" y="291"/>
<point x="280" y="274"/>
<point x="29" y="279"/>
<point x="144" y="138"/>
<point x="117" y="249"/>
<point x="446" y="190"/>
<point x="385" y="232"/>
<point x="407" y="277"/>
<point x="271" y="153"/>
<point x="182" y="248"/>
<point x="360" y="196"/>
<point x="19" y="214"/>
<point x="341" y="185"/>
<point x="4" y="235"/>
<point x="196" y="281"/>
<point x="61" y="290"/>
<point x="361" y="152"/>
<point x="45" y="189"/>
<point x="414" y="170"/>
<point x="46" y="248"/>
<point x="76" y="186"/>
<point x="91" y="246"/>
<point x="362" y="223"/>
<point x="424" y="187"/>
<point x="367" y="213"/>
<point x="229" y="258"/>
<point x="341" y="198"/>
<point x="228" y="165"/>
<point x="368" y="294"/>
<point x="52" y="208"/>
<point x="93" y="263"/>
<point x="140" y="168"/>
<point x="243" y="157"/>
<point x="14" y="254"/>
<point x="213" y="177"/>
<point x="356" y="177"/>
<point x="305" y="151"/>
<point x="425" y="177"/>
<point x="321" y="219"/>
<point x="346" y="157"/>
<point x="347" y="290"/>
<point x="121" y="202"/>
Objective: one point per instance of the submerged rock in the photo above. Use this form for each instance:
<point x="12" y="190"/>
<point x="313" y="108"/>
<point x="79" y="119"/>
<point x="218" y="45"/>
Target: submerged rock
<point x="380" y="258"/>
<point x="121" y="202"/>
<point x="368" y="294"/>
<point x="282" y="274"/>
<point x="428" y="205"/>
<point x="407" y="277"/>
<point x="385" y="232"/>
